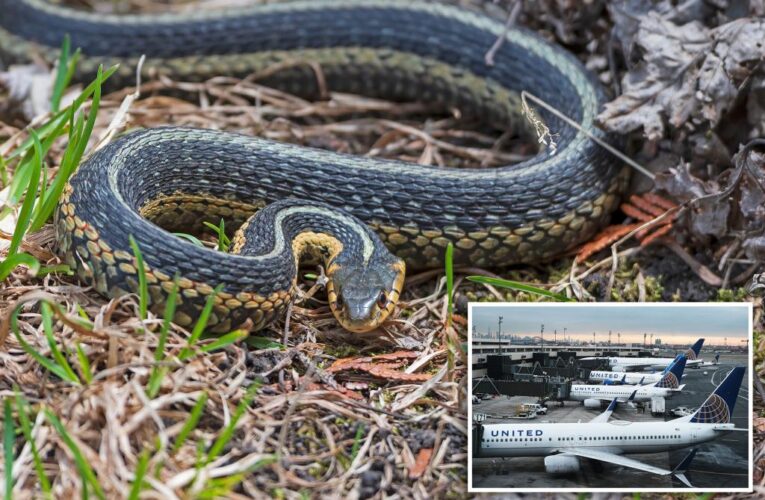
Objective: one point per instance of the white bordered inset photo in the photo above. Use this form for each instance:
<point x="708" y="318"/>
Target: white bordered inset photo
<point x="610" y="397"/>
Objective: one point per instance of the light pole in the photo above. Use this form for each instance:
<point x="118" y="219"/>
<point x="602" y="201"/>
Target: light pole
<point x="499" y="334"/>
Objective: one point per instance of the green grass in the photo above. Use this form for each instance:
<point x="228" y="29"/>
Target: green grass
<point x="86" y="473"/>
<point x="263" y="343"/>
<point x="143" y="287"/>
<point x="22" y="407"/>
<point x="85" y="370"/>
<point x="449" y="266"/>
<point x="228" y="432"/>
<point x="29" y="185"/>
<point x="191" y="422"/>
<point x="521" y="287"/>
<point x="200" y="325"/>
<point x="140" y="473"/>
<point x="158" y="372"/>
<point x="220" y="231"/>
<point x="9" y="438"/>
<point x="357" y="440"/>
<point x="62" y="371"/>
<point x="223" y="341"/>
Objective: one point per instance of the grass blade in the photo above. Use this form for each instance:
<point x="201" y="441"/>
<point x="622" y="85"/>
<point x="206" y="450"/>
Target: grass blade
<point x="72" y="160"/>
<point x="220" y="230"/>
<point x="65" y="171"/>
<point x="86" y="472"/>
<point x="263" y="343"/>
<point x="521" y="287"/>
<point x="158" y="372"/>
<point x="47" y="363"/>
<point x="357" y="440"/>
<point x="22" y="223"/>
<point x="60" y="82"/>
<point x="201" y="324"/>
<point x="143" y="290"/>
<point x="449" y="264"/>
<point x="9" y="439"/>
<point x="191" y="238"/>
<point x="57" y="355"/>
<point x="45" y="129"/>
<point x="191" y="422"/>
<point x="11" y="262"/>
<point x="85" y="370"/>
<point x="228" y="431"/>
<point x="140" y="473"/>
<point x="225" y="340"/>
<point x="22" y="408"/>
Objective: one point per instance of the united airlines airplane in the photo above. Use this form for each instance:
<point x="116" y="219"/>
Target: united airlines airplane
<point x="629" y="377"/>
<point x="563" y="444"/>
<point x="593" y="395"/>
<point x="626" y="364"/>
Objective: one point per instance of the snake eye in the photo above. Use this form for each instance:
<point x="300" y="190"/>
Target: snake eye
<point x="382" y="300"/>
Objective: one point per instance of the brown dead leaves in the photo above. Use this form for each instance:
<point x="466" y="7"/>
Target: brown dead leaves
<point x="654" y="216"/>
<point x="383" y="366"/>
<point x="686" y="74"/>
<point x="420" y="463"/>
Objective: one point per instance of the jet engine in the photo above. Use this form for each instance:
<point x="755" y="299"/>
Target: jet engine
<point x="592" y="403"/>
<point x="557" y="464"/>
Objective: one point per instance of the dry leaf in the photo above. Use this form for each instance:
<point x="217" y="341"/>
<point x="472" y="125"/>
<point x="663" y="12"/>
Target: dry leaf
<point x="604" y="239"/>
<point x="759" y="424"/>
<point x="421" y="463"/>
<point x="688" y="73"/>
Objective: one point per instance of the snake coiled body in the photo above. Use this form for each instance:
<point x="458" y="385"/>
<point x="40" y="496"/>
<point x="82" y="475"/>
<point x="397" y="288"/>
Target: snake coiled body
<point x="407" y="51"/>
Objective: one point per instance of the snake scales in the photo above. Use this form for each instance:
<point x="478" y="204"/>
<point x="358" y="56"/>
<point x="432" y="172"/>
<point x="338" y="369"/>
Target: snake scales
<point x="151" y="181"/>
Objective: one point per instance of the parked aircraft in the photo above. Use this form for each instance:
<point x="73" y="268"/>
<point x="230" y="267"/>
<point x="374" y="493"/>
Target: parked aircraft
<point x="629" y="377"/>
<point x="620" y="364"/>
<point x="593" y="395"/>
<point x="564" y="444"/>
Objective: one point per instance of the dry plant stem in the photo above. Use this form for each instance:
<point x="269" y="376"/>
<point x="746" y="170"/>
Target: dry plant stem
<point x="626" y="159"/>
<point x="511" y="18"/>
<point x="614" y="248"/>
<point x="701" y="270"/>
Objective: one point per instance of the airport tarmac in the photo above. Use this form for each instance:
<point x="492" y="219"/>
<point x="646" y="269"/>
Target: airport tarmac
<point x="722" y="463"/>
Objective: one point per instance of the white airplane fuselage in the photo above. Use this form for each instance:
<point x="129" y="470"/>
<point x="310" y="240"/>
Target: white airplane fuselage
<point x="618" y="437"/>
<point x="623" y="392"/>
<point x="623" y="363"/>
<point x="629" y="377"/>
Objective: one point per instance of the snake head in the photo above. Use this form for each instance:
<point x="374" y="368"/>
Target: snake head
<point x="362" y="297"/>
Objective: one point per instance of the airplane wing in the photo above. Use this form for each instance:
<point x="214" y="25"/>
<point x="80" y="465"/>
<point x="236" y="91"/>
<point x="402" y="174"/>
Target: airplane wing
<point x="613" y="458"/>
<point x="603" y="417"/>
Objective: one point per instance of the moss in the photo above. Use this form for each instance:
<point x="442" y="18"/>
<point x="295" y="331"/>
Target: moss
<point x="731" y="295"/>
<point x="341" y="350"/>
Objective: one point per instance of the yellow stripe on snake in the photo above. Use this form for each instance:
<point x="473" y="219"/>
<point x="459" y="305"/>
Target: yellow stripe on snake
<point x="365" y="217"/>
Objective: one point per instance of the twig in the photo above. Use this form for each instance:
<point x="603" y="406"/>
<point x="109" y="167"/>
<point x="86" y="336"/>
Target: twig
<point x="511" y="18"/>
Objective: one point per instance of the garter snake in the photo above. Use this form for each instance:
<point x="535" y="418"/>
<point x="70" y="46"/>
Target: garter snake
<point x="152" y="181"/>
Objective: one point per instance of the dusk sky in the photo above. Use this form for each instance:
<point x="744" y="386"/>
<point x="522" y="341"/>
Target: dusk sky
<point x="674" y="324"/>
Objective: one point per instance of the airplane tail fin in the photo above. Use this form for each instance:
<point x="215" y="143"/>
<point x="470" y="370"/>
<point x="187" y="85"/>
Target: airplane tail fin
<point x="666" y="368"/>
<point x="693" y="352"/>
<point x="615" y="382"/>
<point x="718" y="407"/>
<point x="682" y="468"/>
<point x="671" y="379"/>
